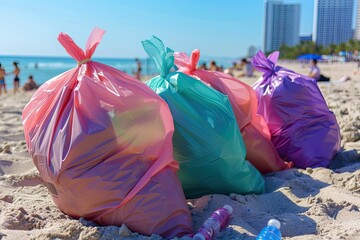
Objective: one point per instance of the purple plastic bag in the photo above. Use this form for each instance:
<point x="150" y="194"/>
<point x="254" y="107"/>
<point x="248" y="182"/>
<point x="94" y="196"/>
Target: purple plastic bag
<point x="303" y="129"/>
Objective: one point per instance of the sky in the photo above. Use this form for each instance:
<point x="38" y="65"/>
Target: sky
<point x="218" y="28"/>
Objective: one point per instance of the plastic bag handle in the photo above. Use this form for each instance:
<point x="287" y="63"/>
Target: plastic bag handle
<point x="263" y="64"/>
<point x="266" y="65"/>
<point x="269" y="67"/>
<point x="93" y="41"/>
<point x="75" y="51"/>
<point x="162" y="56"/>
<point x="184" y="63"/>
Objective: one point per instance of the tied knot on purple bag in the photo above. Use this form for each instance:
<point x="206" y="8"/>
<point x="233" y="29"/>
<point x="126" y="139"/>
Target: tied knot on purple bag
<point x="76" y="52"/>
<point x="267" y="65"/>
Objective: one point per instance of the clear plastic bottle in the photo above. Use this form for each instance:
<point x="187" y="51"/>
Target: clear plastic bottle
<point x="212" y="226"/>
<point x="271" y="231"/>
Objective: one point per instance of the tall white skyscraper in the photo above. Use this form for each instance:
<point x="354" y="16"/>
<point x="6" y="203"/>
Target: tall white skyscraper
<point x="282" y="25"/>
<point x="357" y="25"/>
<point x="332" y="21"/>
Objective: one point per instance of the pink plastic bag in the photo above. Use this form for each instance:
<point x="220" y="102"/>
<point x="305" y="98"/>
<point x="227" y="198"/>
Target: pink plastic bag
<point x="102" y="142"/>
<point x="256" y="135"/>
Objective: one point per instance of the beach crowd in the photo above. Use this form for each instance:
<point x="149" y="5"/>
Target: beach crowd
<point x="240" y="68"/>
<point x="29" y="85"/>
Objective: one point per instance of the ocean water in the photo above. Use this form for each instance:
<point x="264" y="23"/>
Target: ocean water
<point x="45" y="68"/>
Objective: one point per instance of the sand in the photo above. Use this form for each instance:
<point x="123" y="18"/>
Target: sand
<point x="316" y="203"/>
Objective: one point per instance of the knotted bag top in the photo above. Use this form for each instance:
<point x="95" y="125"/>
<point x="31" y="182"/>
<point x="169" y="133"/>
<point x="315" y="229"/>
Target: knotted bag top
<point x="81" y="57"/>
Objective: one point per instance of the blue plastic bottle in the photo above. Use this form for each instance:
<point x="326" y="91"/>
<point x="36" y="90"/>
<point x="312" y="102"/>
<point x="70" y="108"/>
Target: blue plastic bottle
<point x="271" y="231"/>
<point x="212" y="226"/>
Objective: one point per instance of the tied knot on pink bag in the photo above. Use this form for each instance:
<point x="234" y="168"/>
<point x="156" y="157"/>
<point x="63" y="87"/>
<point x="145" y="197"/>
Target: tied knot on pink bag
<point x="185" y="63"/>
<point x="76" y="52"/>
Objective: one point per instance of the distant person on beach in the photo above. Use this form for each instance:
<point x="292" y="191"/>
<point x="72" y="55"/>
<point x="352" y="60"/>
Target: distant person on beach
<point x="213" y="66"/>
<point x="138" y="69"/>
<point x="231" y="70"/>
<point x="314" y="71"/>
<point x="203" y="66"/>
<point x="247" y="68"/>
<point x="16" y="73"/>
<point x="357" y="70"/>
<point x="30" y="84"/>
<point x="2" y="80"/>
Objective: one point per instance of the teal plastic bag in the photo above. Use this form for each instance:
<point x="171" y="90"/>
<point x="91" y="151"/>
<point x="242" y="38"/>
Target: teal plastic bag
<point x="207" y="142"/>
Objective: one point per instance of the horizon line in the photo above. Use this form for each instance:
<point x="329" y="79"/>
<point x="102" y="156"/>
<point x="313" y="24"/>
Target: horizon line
<point x="68" y="56"/>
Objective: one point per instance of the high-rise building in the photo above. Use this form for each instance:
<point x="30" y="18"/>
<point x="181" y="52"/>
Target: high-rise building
<point x="357" y="25"/>
<point x="306" y="38"/>
<point x="251" y="51"/>
<point x="282" y="25"/>
<point x="332" y="21"/>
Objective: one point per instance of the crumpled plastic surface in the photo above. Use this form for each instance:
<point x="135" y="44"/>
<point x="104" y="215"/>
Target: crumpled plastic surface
<point x="302" y="127"/>
<point x="102" y="142"/>
<point x="207" y="141"/>
<point x="259" y="148"/>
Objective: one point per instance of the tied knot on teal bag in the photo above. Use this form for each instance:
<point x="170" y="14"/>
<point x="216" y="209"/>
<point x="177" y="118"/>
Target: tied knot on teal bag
<point x="162" y="56"/>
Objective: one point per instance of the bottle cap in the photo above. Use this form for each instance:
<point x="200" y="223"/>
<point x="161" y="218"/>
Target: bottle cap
<point x="198" y="236"/>
<point x="229" y="208"/>
<point x="275" y="223"/>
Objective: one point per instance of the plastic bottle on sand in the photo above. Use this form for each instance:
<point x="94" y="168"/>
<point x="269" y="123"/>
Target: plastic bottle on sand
<point x="271" y="231"/>
<point x="212" y="226"/>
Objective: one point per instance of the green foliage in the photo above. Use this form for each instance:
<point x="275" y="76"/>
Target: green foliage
<point x="287" y="52"/>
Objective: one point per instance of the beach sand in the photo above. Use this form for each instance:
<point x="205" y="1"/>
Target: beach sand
<point x="310" y="204"/>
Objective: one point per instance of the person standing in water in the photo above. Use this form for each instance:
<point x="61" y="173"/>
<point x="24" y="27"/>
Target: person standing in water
<point x="2" y="80"/>
<point x="138" y="69"/>
<point x="16" y="73"/>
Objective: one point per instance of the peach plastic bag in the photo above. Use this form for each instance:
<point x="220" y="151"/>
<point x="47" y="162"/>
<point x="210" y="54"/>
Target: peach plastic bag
<point x="102" y="142"/>
<point x="260" y="150"/>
